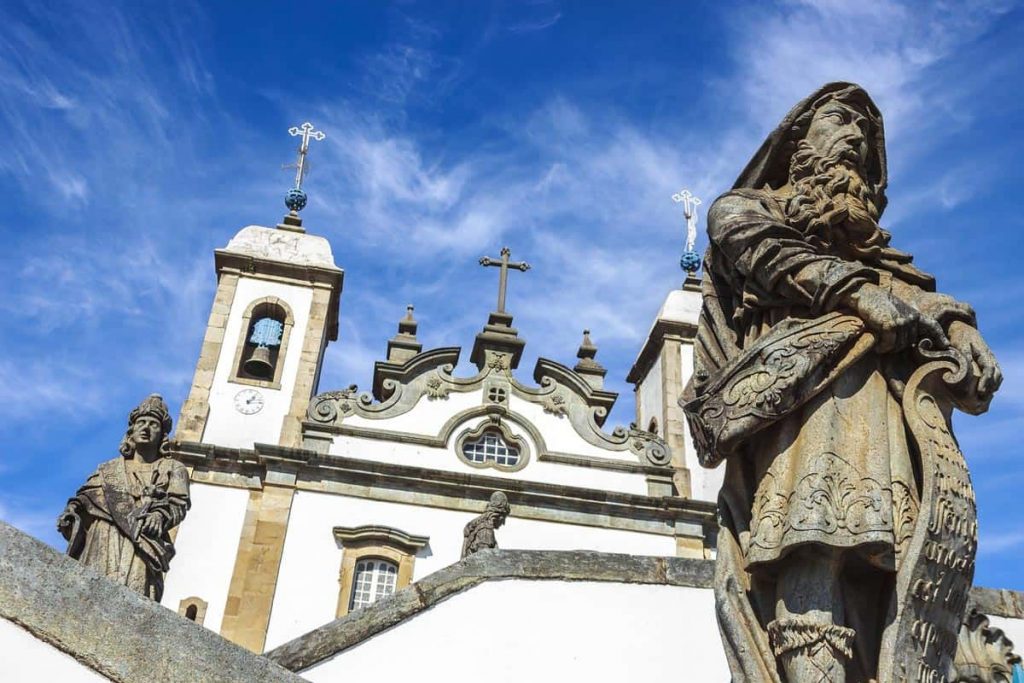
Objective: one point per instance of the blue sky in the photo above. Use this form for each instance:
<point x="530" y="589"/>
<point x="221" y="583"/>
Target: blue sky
<point x="135" y="138"/>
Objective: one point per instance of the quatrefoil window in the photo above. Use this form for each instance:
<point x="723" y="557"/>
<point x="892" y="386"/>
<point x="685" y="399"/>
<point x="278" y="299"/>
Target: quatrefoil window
<point x="496" y="395"/>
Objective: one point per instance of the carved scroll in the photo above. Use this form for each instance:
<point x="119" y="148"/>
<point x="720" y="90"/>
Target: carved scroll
<point x="937" y="567"/>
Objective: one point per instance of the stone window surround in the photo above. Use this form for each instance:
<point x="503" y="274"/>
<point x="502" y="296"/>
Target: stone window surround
<point x="289" y="322"/>
<point x="374" y="542"/>
<point x="196" y="602"/>
<point x="493" y="423"/>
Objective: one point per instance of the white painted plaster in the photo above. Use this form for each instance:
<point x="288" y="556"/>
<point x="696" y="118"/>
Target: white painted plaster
<point x="27" y="659"/>
<point x="446" y="459"/>
<point x="307" y="588"/>
<point x="652" y="399"/>
<point x="514" y="631"/>
<point x="207" y="545"/>
<point x="681" y="306"/>
<point x="704" y="483"/>
<point x="282" y="245"/>
<point x="1013" y="628"/>
<point x="225" y="425"/>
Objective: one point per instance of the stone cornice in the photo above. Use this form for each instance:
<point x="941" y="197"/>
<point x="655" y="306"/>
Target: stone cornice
<point x="487" y="565"/>
<point x="380" y="535"/>
<point x="533" y="500"/>
<point x="111" y="629"/>
<point x="649" y="353"/>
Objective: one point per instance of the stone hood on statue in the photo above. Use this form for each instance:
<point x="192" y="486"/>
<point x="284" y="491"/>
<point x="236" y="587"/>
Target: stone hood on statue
<point x="119" y="521"/>
<point x="826" y="366"/>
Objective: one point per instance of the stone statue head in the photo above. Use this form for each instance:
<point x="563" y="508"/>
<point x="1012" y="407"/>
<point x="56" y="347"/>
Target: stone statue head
<point x="148" y="422"/>
<point x="498" y="508"/>
<point x="827" y="157"/>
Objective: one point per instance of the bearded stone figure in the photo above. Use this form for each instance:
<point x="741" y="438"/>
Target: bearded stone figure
<point x="826" y="369"/>
<point x="119" y="521"/>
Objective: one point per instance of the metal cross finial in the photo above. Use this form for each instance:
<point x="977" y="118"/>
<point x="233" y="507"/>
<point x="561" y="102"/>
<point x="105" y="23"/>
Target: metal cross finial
<point x="307" y="132"/>
<point x="504" y="264"/>
<point x="690" y="204"/>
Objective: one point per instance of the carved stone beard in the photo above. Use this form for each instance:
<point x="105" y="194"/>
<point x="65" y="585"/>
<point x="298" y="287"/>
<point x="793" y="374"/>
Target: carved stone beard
<point x="831" y="203"/>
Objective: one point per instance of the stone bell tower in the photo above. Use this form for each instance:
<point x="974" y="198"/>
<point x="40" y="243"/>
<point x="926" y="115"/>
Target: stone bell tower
<point x="275" y="310"/>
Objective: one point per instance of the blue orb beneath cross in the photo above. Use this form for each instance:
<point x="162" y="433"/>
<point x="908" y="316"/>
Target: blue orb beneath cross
<point x="690" y="261"/>
<point x="295" y="200"/>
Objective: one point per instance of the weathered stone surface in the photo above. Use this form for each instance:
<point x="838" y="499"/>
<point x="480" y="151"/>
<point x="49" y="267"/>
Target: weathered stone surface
<point x="826" y="366"/>
<point x="479" y="532"/>
<point x="117" y="632"/>
<point x="119" y="521"/>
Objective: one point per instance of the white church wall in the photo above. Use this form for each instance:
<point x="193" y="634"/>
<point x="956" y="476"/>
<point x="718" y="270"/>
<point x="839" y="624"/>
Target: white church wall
<point x="548" y="631"/>
<point x="704" y="483"/>
<point x="307" y="587"/>
<point x="651" y="398"/>
<point x="27" y="659"/>
<point x="225" y="425"/>
<point x="447" y="460"/>
<point x="206" y="544"/>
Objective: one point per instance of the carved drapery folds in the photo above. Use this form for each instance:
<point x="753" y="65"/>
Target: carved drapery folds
<point x="479" y="533"/>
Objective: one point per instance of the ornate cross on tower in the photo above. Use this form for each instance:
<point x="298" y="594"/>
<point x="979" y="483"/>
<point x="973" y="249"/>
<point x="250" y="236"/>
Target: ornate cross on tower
<point x="307" y="132"/>
<point x="504" y="264"/>
<point x="690" y="261"/>
<point x="296" y="198"/>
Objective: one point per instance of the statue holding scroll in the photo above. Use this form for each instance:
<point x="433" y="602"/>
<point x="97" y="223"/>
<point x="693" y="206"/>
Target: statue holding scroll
<point x="120" y="520"/>
<point x="826" y="367"/>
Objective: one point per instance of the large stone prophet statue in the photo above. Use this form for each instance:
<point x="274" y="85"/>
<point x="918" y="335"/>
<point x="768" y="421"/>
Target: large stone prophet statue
<point x="119" y="522"/>
<point x="826" y="368"/>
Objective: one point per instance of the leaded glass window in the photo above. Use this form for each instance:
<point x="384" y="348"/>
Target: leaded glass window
<point x="491" y="448"/>
<point x="373" y="580"/>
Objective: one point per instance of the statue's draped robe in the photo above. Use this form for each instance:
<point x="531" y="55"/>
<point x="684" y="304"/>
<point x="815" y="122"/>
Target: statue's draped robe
<point x="478" y="535"/>
<point x="837" y="470"/>
<point x="112" y="505"/>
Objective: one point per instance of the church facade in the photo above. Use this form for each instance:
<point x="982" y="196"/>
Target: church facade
<point x="309" y="504"/>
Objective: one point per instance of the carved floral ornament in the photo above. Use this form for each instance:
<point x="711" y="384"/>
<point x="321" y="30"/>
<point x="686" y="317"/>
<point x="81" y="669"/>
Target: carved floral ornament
<point x="560" y="392"/>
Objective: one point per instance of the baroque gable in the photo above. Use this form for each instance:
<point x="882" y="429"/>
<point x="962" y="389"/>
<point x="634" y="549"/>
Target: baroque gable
<point x="426" y="380"/>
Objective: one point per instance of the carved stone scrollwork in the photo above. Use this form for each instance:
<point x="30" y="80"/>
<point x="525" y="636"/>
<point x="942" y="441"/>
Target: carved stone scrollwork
<point x="435" y="388"/>
<point x="560" y="391"/>
<point x="555" y="404"/>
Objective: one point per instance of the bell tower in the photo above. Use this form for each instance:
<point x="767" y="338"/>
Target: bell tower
<point x="274" y="312"/>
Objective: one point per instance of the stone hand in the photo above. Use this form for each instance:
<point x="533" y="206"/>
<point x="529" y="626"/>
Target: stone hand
<point x="968" y="341"/>
<point x="153" y="525"/>
<point x="897" y="324"/>
<point x="67" y="519"/>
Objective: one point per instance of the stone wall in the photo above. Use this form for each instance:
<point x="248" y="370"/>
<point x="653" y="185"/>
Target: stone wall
<point x="69" y="623"/>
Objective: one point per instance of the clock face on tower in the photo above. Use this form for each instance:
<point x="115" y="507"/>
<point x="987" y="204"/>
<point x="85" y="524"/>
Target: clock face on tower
<point x="248" y="401"/>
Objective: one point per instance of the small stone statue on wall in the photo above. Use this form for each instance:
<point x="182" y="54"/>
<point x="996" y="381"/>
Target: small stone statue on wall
<point x="479" y="533"/>
<point x="826" y="366"/>
<point x="119" y="522"/>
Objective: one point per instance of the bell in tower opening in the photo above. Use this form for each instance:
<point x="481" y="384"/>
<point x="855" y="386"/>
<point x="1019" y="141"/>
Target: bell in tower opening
<point x="264" y="344"/>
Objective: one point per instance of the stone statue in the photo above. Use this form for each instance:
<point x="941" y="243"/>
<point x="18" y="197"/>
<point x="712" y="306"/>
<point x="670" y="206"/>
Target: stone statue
<point x="119" y="521"/>
<point x="826" y="366"/>
<point x="479" y="533"/>
<point x="984" y="654"/>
